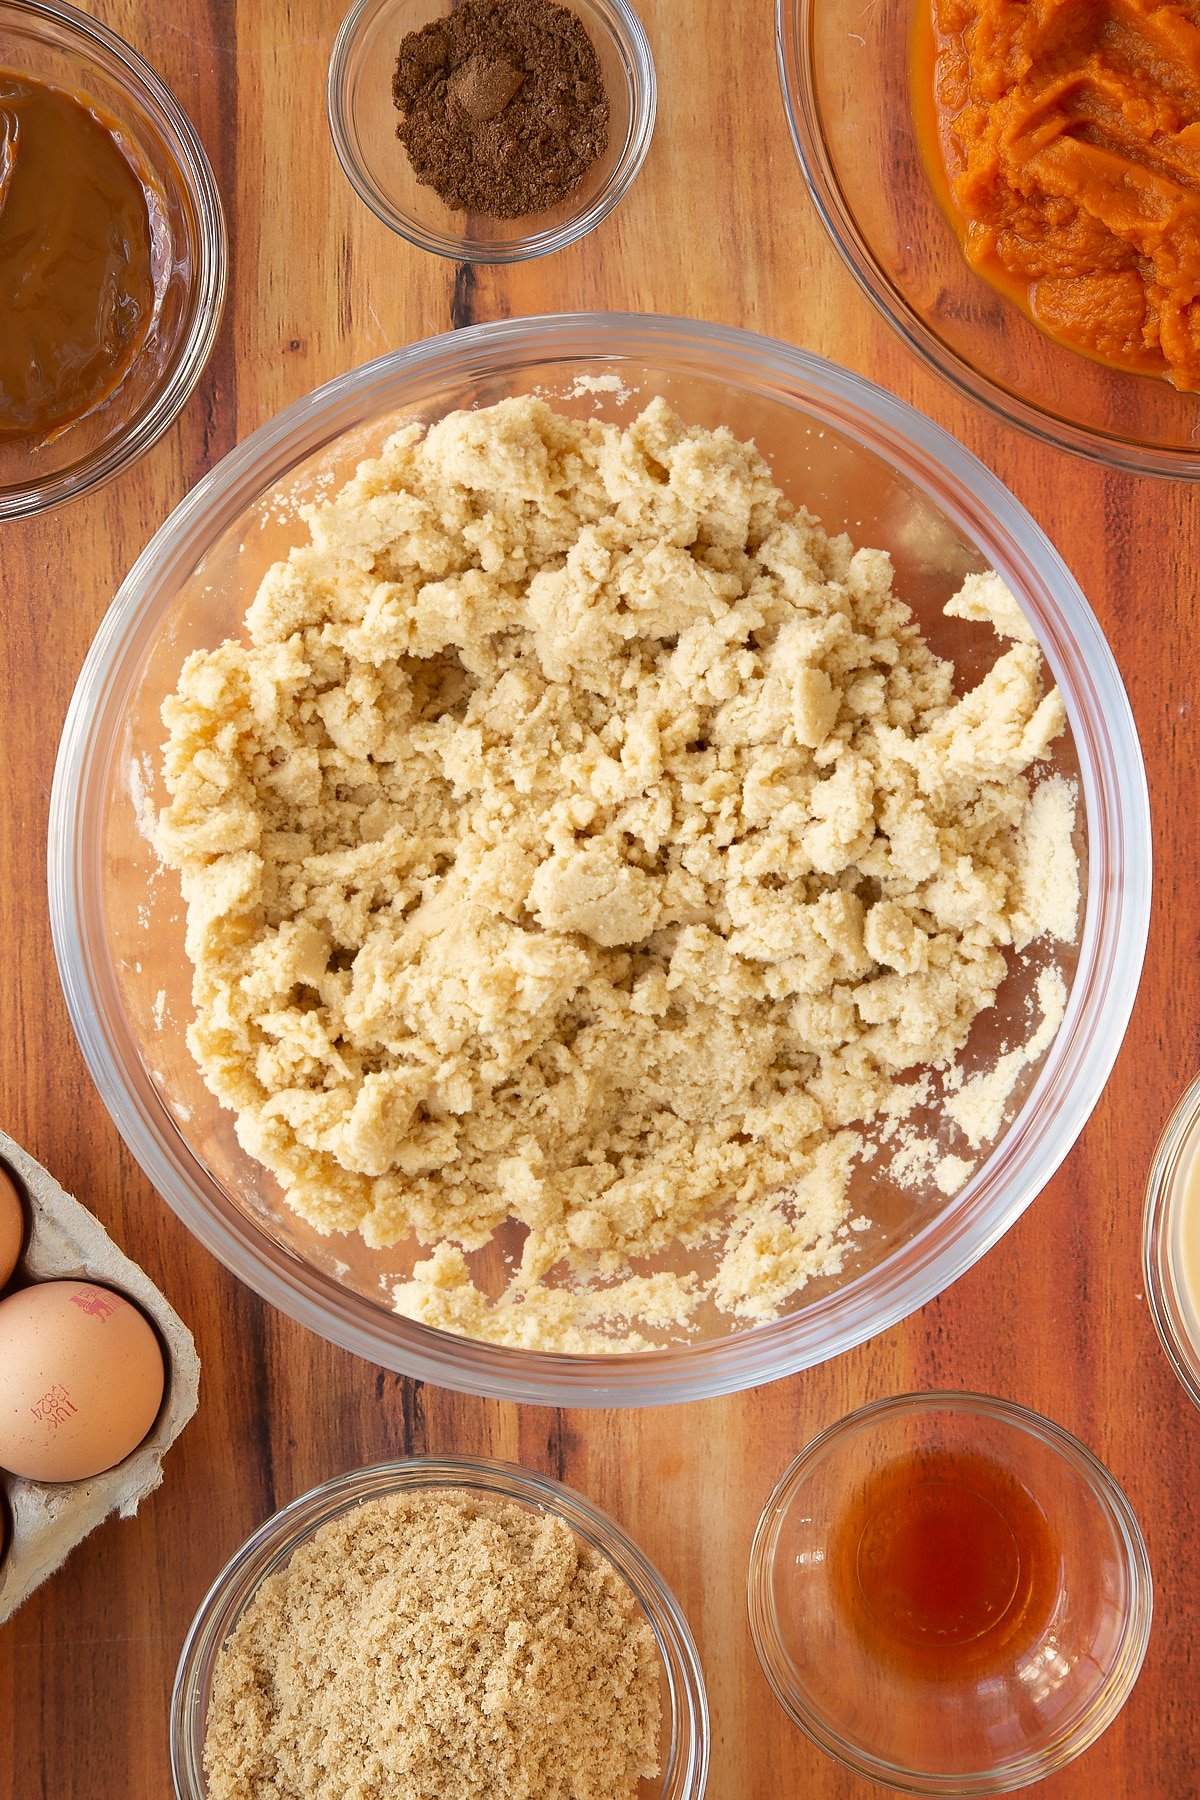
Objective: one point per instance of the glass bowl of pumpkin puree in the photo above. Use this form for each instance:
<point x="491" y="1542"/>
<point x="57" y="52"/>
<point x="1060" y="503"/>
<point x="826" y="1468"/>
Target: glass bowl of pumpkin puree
<point x="112" y="256"/>
<point x="1026" y="214"/>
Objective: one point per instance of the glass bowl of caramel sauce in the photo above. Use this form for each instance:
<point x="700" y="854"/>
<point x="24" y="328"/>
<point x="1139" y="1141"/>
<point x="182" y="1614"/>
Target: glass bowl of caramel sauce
<point x="112" y="255"/>
<point x="949" y="1594"/>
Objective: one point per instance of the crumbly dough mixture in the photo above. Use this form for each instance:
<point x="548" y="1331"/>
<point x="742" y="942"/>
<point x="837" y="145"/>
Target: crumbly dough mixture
<point x="437" y="1645"/>
<point x="584" y="838"/>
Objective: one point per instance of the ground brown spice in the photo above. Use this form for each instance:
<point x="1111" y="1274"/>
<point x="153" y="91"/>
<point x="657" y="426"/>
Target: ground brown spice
<point x="504" y="106"/>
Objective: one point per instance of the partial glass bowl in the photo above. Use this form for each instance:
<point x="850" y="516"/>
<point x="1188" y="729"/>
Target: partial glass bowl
<point x="684" y="1747"/>
<point x="863" y="462"/>
<point x="51" y="42"/>
<point x="1172" y="1218"/>
<point x="986" y="1728"/>
<point x="845" y="73"/>
<point x="363" y="119"/>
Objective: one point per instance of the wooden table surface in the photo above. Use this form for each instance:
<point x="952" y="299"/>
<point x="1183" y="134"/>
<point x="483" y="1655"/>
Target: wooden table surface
<point x="718" y="226"/>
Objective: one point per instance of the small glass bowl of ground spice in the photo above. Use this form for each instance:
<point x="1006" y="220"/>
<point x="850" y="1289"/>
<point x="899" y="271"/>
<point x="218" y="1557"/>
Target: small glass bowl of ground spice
<point x="497" y="130"/>
<point x="112" y="255"/>
<point x="441" y="1625"/>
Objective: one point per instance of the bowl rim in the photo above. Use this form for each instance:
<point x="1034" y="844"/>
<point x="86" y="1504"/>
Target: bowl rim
<point x="637" y="59"/>
<point x="1113" y="786"/>
<point x="793" y="19"/>
<point x="274" y="1541"/>
<point x="1174" y="1156"/>
<point x="1016" y="1771"/>
<point x="124" y="65"/>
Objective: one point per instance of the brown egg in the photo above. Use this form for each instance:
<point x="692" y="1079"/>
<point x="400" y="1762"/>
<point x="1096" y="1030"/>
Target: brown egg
<point x="81" y="1380"/>
<point x="12" y="1225"/>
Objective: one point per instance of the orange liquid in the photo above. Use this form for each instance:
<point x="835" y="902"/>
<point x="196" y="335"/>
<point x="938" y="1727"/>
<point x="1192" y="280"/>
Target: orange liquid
<point x="945" y="1565"/>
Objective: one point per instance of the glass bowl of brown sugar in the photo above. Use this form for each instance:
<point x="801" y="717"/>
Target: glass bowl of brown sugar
<point x="369" y="1529"/>
<point x="494" y="132"/>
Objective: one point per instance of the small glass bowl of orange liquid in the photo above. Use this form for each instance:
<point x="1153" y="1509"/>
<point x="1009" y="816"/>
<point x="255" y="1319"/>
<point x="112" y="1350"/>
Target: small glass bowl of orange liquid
<point x="1171" y="1239"/>
<point x="949" y="1594"/>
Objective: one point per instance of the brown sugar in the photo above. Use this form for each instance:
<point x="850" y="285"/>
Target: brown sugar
<point x="441" y="1644"/>
<point x="504" y="106"/>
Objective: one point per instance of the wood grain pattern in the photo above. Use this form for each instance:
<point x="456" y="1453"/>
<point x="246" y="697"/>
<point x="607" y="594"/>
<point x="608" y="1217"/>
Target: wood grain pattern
<point x="718" y="226"/>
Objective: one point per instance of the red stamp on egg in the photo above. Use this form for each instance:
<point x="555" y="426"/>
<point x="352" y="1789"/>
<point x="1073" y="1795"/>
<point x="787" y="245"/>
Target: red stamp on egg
<point x="95" y="1302"/>
<point x="54" y="1408"/>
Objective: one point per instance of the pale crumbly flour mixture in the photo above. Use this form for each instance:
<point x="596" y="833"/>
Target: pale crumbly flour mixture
<point x="436" y="1645"/>
<point x="585" y="839"/>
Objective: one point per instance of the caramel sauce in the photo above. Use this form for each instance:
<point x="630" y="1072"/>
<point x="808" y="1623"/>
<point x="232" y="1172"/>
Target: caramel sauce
<point x="77" y="290"/>
<point x="945" y="1565"/>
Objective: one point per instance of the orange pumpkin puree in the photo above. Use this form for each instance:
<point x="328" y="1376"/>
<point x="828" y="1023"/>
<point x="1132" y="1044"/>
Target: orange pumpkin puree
<point x="1068" y="132"/>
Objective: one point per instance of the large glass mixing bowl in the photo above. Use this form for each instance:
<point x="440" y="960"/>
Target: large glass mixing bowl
<point x="859" y="459"/>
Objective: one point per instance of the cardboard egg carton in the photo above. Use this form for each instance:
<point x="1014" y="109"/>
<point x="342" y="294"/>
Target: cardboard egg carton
<point x="48" y="1519"/>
